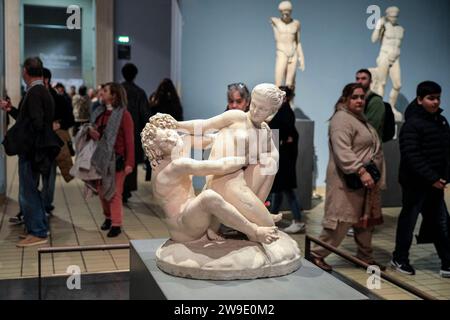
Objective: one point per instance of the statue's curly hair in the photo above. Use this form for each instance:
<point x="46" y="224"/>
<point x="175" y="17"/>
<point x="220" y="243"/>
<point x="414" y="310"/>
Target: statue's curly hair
<point x="149" y="135"/>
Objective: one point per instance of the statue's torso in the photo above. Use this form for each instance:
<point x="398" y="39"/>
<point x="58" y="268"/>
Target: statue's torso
<point x="171" y="194"/>
<point x="392" y="41"/>
<point x="286" y="35"/>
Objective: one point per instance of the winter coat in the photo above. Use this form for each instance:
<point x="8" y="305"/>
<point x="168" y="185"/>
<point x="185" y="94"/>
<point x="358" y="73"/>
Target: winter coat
<point x="85" y="148"/>
<point x="424" y="148"/>
<point x="284" y="122"/>
<point x="353" y="142"/>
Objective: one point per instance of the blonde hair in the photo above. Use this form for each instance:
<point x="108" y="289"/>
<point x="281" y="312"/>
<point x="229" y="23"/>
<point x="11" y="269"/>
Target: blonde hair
<point x="150" y="134"/>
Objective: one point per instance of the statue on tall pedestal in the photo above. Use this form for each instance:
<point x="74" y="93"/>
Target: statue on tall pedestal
<point x="390" y="34"/>
<point x="289" y="49"/>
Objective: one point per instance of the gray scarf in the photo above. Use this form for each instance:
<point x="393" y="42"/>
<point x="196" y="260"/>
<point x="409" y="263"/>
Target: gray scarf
<point x="104" y="158"/>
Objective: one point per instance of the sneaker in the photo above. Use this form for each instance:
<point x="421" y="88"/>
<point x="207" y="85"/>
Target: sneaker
<point x="351" y="232"/>
<point x="17" y="220"/>
<point x="295" y="227"/>
<point x="114" y="232"/>
<point x="106" y="225"/>
<point x="31" y="241"/>
<point x="405" y="268"/>
<point x="316" y="196"/>
<point x="445" y="272"/>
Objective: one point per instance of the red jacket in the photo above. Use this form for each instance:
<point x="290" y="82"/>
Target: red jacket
<point x="125" y="137"/>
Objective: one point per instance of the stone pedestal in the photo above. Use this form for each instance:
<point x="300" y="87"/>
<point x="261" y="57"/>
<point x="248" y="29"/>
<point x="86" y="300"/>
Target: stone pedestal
<point x="392" y="196"/>
<point x="229" y="259"/>
<point x="148" y="282"/>
<point x="305" y="164"/>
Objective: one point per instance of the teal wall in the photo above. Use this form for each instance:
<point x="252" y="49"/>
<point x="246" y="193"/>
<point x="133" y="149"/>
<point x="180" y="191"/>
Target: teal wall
<point x="231" y="41"/>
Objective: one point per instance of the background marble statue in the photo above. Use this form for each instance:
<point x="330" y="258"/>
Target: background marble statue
<point x="289" y="48"/>
<point x="390" y="34"/>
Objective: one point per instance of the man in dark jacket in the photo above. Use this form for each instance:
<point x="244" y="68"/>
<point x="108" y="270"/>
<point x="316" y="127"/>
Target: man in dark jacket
<point x="63" y="120"/>
<point x="424" y="174"/>
<point x="36" y="109"/>
<point x="139" y="109"/>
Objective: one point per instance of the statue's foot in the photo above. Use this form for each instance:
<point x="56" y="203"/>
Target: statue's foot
<point x="265" y="235"/>
<point x="214" y="236"/>
<point x="277" y="217"/>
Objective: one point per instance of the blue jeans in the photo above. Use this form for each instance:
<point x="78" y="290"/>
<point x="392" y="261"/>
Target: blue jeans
<point x="30" y="200"/>
<point x="48" y="189"/>
<point x="277" y="200"/>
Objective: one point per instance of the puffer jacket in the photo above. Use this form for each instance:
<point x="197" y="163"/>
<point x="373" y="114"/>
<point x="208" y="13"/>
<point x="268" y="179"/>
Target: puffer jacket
<point x="424" y="148"/>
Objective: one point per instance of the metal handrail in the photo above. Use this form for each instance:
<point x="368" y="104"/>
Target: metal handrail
<point x="384" y="275"/>
<point x="72" y="249"/>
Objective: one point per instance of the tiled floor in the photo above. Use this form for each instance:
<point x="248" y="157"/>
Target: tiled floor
<point x="77" y="222"/>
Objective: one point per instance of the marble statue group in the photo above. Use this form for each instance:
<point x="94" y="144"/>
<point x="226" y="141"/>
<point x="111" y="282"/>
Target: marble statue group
<point x="236" y="188"/>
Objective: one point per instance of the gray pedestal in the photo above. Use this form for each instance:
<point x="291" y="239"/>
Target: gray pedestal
<point x="305" y="164"/>
<point x="147" y="282"/>
<point x="392" y="196"/>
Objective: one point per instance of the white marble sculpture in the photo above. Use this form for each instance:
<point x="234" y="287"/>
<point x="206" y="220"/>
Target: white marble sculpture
<point x="289" y="48"/>
<point x="390" y="34"/>
<point x="238" y="183"/>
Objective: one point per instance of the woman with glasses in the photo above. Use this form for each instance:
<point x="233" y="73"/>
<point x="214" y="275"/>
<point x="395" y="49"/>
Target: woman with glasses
<point x="353" y="195"/>
<point x="238" y="97"/>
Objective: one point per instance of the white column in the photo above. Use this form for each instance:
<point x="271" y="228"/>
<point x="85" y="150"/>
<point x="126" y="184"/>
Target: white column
<point x="176" y="45"/>
<point x="13" y="71"/>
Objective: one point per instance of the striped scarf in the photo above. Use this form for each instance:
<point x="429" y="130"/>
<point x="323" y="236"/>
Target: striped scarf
<point x="104" y="158"/>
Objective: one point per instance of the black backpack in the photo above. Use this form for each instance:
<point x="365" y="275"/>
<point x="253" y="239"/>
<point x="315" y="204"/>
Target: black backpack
<point x="389" y="120"/>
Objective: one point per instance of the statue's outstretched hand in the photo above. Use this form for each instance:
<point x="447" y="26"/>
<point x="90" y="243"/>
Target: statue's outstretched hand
<point x="380" y="23"/>
<point x="301" y="65"/>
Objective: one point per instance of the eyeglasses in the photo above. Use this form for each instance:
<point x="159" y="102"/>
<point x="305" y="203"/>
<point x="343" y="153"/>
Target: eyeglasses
<point x="239" y="85"/>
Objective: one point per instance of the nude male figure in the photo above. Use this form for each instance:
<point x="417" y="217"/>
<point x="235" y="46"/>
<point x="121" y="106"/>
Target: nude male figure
<point x="390" y="34"/>
<point x="289" y="48"/>
<point x="248" y="188"/>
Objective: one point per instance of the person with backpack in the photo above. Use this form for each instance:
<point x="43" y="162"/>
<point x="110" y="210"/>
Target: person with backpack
<point x="378" y="113"/>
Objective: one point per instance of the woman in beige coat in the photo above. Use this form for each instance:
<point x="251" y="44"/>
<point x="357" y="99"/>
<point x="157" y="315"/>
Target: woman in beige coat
<point x="353" y="143"/>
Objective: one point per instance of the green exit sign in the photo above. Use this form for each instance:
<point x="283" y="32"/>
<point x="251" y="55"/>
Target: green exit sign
<point x="123" y="39"/>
